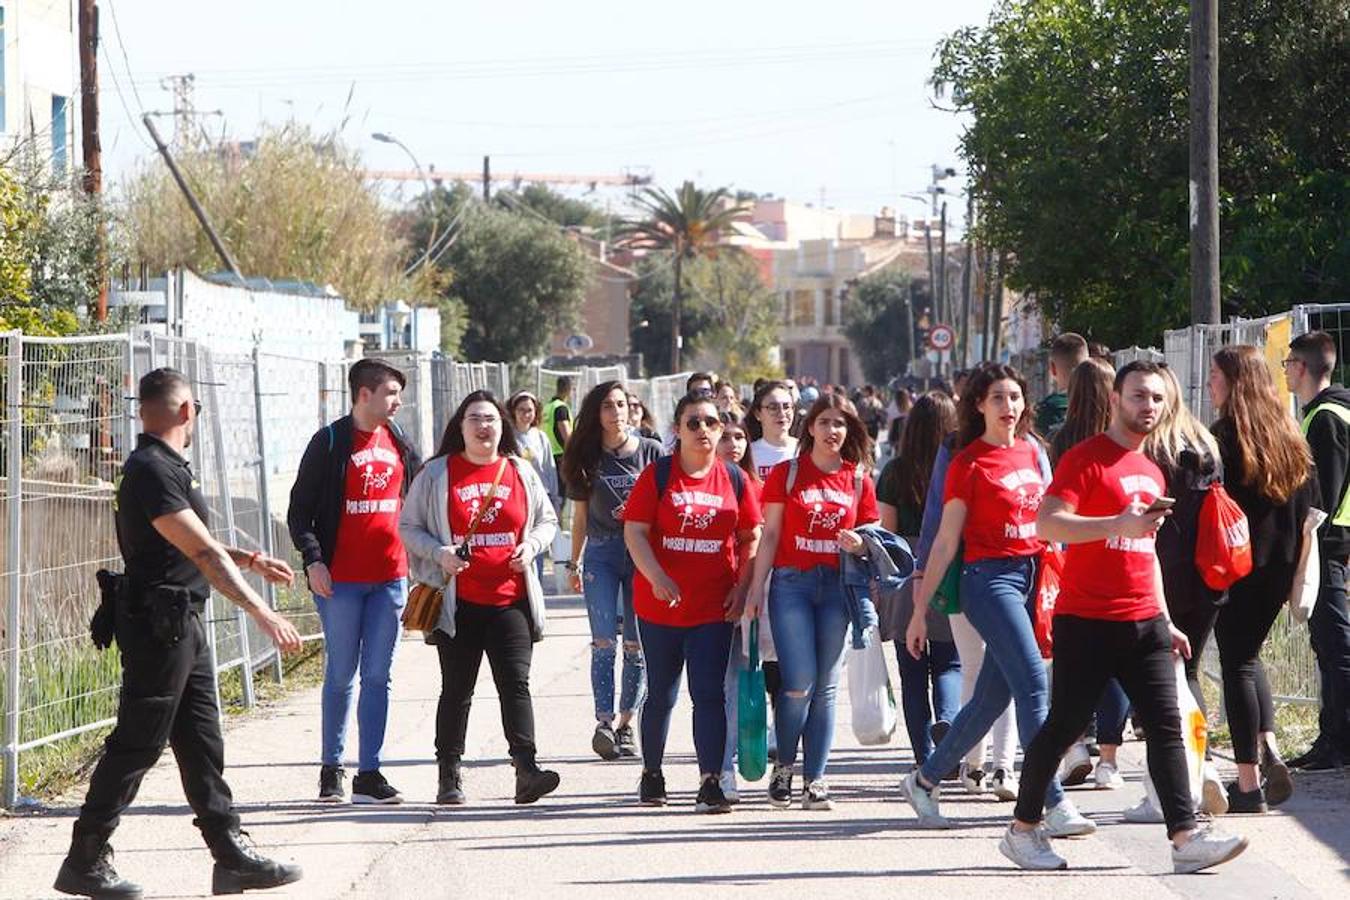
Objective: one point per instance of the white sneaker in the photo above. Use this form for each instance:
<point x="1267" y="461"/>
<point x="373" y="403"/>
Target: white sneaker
<point x="1213" y="795"/>
<point x="1004" y="784"/>
<point x="1107" y="777"/>
<point x="729" y="788"/>
<point x="1206" y="849"/>
<point x="1076" y="766"/>
<point x="972" y="780"/>
<point x="1031" y="849"/>
<point x="816" y="795"/>
<point x="1143" y="813"/>
<point x="924" y="802"/>
<point x="1064" y="820"/>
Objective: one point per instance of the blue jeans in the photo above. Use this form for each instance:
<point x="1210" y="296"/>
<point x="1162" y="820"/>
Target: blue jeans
<point x="609" y="575"/>
<point x="996" y="596"/>
<point x="360" y="632"/>
<point x="940" y="663"/>
<point x="810" y="621"/>
<point x="668" y="650"/>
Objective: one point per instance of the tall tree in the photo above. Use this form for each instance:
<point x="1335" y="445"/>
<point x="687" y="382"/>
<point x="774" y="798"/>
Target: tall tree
<point x="566" y="211"/>
<point x="685" y="225"/>
<point x="1078" y="147"/>
<point x="741" y="315"/>
<point x="876" y="322"/>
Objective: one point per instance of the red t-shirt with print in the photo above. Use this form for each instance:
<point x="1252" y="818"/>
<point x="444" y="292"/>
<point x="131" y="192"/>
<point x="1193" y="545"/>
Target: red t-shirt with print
<point x="488" y="581"/>
<point x="693" y="535"/>
<point x="819" y="507"/>
<point x="1001" y="488"/>
<point x="1111" y="579"/>
<point x="369" y="548"/>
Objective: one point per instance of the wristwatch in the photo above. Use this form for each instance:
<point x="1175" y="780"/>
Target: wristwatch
<point x="571" y="566"/>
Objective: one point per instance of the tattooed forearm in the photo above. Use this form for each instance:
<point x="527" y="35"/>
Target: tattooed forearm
<point x="225" y="577"/>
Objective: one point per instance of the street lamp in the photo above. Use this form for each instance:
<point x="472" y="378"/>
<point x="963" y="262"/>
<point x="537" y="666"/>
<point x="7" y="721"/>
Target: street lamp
<point x="384" y="138"/>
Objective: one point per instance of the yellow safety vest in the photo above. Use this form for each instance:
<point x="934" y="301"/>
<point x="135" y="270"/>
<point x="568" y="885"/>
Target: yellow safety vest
<point x="547" y="425"/>
<point x="1342" y="517"/>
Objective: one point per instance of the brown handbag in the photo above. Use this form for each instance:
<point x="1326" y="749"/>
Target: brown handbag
<point x="423" y="610"/>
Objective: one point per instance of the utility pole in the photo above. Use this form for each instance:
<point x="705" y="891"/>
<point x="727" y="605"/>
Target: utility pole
<point x="196" y="206"/>
<point x="946" y="315"/>
<point x="487" y="178"/>
<point x="1204" y="194"/>
<point x="90" y="144"/>
<point x="932" y="274"/>
<point x="967" y="283"/>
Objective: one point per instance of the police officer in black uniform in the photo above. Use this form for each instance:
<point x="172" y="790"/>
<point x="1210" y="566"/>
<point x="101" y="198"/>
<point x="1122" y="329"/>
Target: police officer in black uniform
<point x="168" y="694"/>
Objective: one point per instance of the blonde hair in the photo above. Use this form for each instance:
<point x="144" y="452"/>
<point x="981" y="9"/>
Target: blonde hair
<point x="1177" y="430"/>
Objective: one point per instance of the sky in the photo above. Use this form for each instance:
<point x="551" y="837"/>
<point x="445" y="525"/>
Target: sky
<point x="802" y="100"/>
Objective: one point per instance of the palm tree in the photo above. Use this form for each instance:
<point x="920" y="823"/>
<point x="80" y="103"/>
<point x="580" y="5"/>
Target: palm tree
<point x="685" y="224"/>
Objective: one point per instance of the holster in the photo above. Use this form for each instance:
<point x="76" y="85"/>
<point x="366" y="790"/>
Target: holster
<point x="112" y="589"/>
<point x="169" y="608"/>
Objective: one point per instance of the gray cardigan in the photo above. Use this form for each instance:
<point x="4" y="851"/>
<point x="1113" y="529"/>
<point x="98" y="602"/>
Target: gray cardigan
<point x="425" y="529"/>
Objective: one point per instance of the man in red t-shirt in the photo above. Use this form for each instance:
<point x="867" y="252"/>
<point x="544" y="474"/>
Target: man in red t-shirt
<point x="1111" y="622"/>
<point x="343" y="519"/>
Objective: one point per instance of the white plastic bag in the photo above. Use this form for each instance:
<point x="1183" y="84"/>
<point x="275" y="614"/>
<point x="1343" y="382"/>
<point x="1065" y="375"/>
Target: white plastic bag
<point x="1194" y="734"/>
<point x="869" y="692"/>
<point x="1308" y="575"/>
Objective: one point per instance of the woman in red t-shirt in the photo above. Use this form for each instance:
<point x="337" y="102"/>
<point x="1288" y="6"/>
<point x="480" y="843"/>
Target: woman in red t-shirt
<point x="476" y="517"/>
<point x="811" y="505"/>
<point x="993" y="490"/>
<point x="691" y="525"/>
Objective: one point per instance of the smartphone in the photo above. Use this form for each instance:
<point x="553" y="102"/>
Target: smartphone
<point x="463" y="551"/>
<point x="1162" y="504"/>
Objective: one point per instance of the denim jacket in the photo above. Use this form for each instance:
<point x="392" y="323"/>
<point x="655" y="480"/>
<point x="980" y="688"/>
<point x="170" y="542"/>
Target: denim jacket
<point x="886" y="560"/>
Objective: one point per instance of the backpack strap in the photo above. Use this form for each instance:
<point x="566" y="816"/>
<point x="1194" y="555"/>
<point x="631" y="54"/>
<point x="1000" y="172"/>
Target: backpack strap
<point x="332" y="438"/>
<point x="857" y="484"/>
<point x="663" y="465"/>
<point x="791" y="475"/>
<point x="737" y="478"/>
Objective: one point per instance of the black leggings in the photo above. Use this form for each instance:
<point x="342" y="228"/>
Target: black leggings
<point x="503" y="633"/>
<point x="1088" y="653"/>
<point x="1241" y="629"/>
<point x="1197" y="623"/>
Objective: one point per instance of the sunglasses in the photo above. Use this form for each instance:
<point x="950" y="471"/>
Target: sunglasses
<point x="196" y="407"/>
<point x="712" y="423"/>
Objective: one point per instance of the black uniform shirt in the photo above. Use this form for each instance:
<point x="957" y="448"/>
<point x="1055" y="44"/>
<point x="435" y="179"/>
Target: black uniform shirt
<point x="157" y="481"/>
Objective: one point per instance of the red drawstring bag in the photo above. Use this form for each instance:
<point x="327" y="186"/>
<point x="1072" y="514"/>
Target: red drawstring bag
<point x="1223" y="540"/>
<point x="1047" y="592"/>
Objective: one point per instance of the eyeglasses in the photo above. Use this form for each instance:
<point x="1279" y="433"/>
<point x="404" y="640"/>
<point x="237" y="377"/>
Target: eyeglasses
<point x="483" y="420"/>
<point x="712" y="423"/>
<point x="196" y="407"/>
<point x="776" y="407"/>
<point x="701" y="392"/>
<point x="1290" y="359"/>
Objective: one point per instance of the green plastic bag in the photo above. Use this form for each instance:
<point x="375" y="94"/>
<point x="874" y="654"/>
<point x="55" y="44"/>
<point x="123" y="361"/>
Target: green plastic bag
<point x="947" y="598"/>
<point x="752" y="724"/>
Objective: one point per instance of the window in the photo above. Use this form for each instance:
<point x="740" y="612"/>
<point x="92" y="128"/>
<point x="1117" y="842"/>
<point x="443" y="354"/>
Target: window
<point x="802" y="308"/>
<point x="59" y="135"/>
<point x="787" y="307"/>
<point x="843" y="378"/>
<point x="830" y="311"/>
<point x="790" y="361"/>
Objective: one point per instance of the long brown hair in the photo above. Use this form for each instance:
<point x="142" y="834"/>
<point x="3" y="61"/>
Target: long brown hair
<point x="733" y="418"/>
<point x="930" y="420"/>
<point x="1089" y="411"/>
<point x="581" y="456"/>
<point x="1274" y="458"/>
<point x="857" y="446"/>
<point x="971" y="420"/>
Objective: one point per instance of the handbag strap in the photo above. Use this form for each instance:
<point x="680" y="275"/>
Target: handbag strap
<point x="487" y="502"/>
<point x="754" y="644"/>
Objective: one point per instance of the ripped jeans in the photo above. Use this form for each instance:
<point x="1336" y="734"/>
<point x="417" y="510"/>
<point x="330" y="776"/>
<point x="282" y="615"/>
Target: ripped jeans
<point x="609" y="573"/>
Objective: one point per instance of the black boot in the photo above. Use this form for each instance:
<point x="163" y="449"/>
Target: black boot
<point x="239" y="868"/>
<point x="450" y="789"/>
<point x="533" y="782"/>
<point x="1276" y="782"/>
<point x="88" y="871"/>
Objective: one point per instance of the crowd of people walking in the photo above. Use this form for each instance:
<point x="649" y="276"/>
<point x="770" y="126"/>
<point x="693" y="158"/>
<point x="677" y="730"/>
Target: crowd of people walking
<point x="1060" y="584"/>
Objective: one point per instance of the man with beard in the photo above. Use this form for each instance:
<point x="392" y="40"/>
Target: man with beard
<point x="168" y="685"/>
<point x="1111" y="622"/>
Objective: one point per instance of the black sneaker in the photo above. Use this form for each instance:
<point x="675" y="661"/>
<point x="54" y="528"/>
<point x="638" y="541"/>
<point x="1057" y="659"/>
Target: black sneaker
<point x="332" y="784"/>
<point x="1240" y="801"/>
<point x="370" y="787"/>
<point x="1275" y="778"/>
<point x="939" y="731"/>
<point x="710" y="797"/>
<point x="533" y="782"/>
<point x="652" y="789"/>
<point x="1318" y="747"/>
<point x="604" y="743"/>
<point x="780" y="786"/>
<point x="626" y="742"/>
<point x="1323" y="761"/>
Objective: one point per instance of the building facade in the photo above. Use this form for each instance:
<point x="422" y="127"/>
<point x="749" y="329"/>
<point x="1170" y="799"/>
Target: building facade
<point x="39" y="82"/>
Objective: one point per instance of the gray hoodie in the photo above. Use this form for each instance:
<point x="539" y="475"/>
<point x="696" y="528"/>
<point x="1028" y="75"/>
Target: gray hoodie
<point x="425" y="529"/>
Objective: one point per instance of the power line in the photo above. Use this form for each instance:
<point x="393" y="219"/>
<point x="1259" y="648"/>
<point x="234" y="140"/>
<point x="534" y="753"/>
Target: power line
<point x="126" y="60"/>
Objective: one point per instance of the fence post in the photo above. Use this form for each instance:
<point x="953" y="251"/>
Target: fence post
<point x="14" y="553"/>
<point x="227" y="501"/>
<point x="265" y="506"/>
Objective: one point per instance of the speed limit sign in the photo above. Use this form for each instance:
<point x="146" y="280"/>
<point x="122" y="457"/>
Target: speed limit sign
<point x="941" y="337"/>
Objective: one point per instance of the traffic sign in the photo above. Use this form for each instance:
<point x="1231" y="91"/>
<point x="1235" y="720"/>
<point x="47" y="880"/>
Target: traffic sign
<point x="941" y="337"/>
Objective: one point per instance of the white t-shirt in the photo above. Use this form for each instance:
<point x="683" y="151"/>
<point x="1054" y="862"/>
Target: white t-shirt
<point x="766" y="455"/>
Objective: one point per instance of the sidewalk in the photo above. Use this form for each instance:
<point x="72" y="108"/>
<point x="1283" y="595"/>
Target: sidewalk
<point x="591" y="837"/>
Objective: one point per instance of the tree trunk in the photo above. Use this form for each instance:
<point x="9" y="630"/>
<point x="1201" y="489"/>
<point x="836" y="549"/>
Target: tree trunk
<point x="676" y="309"/>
